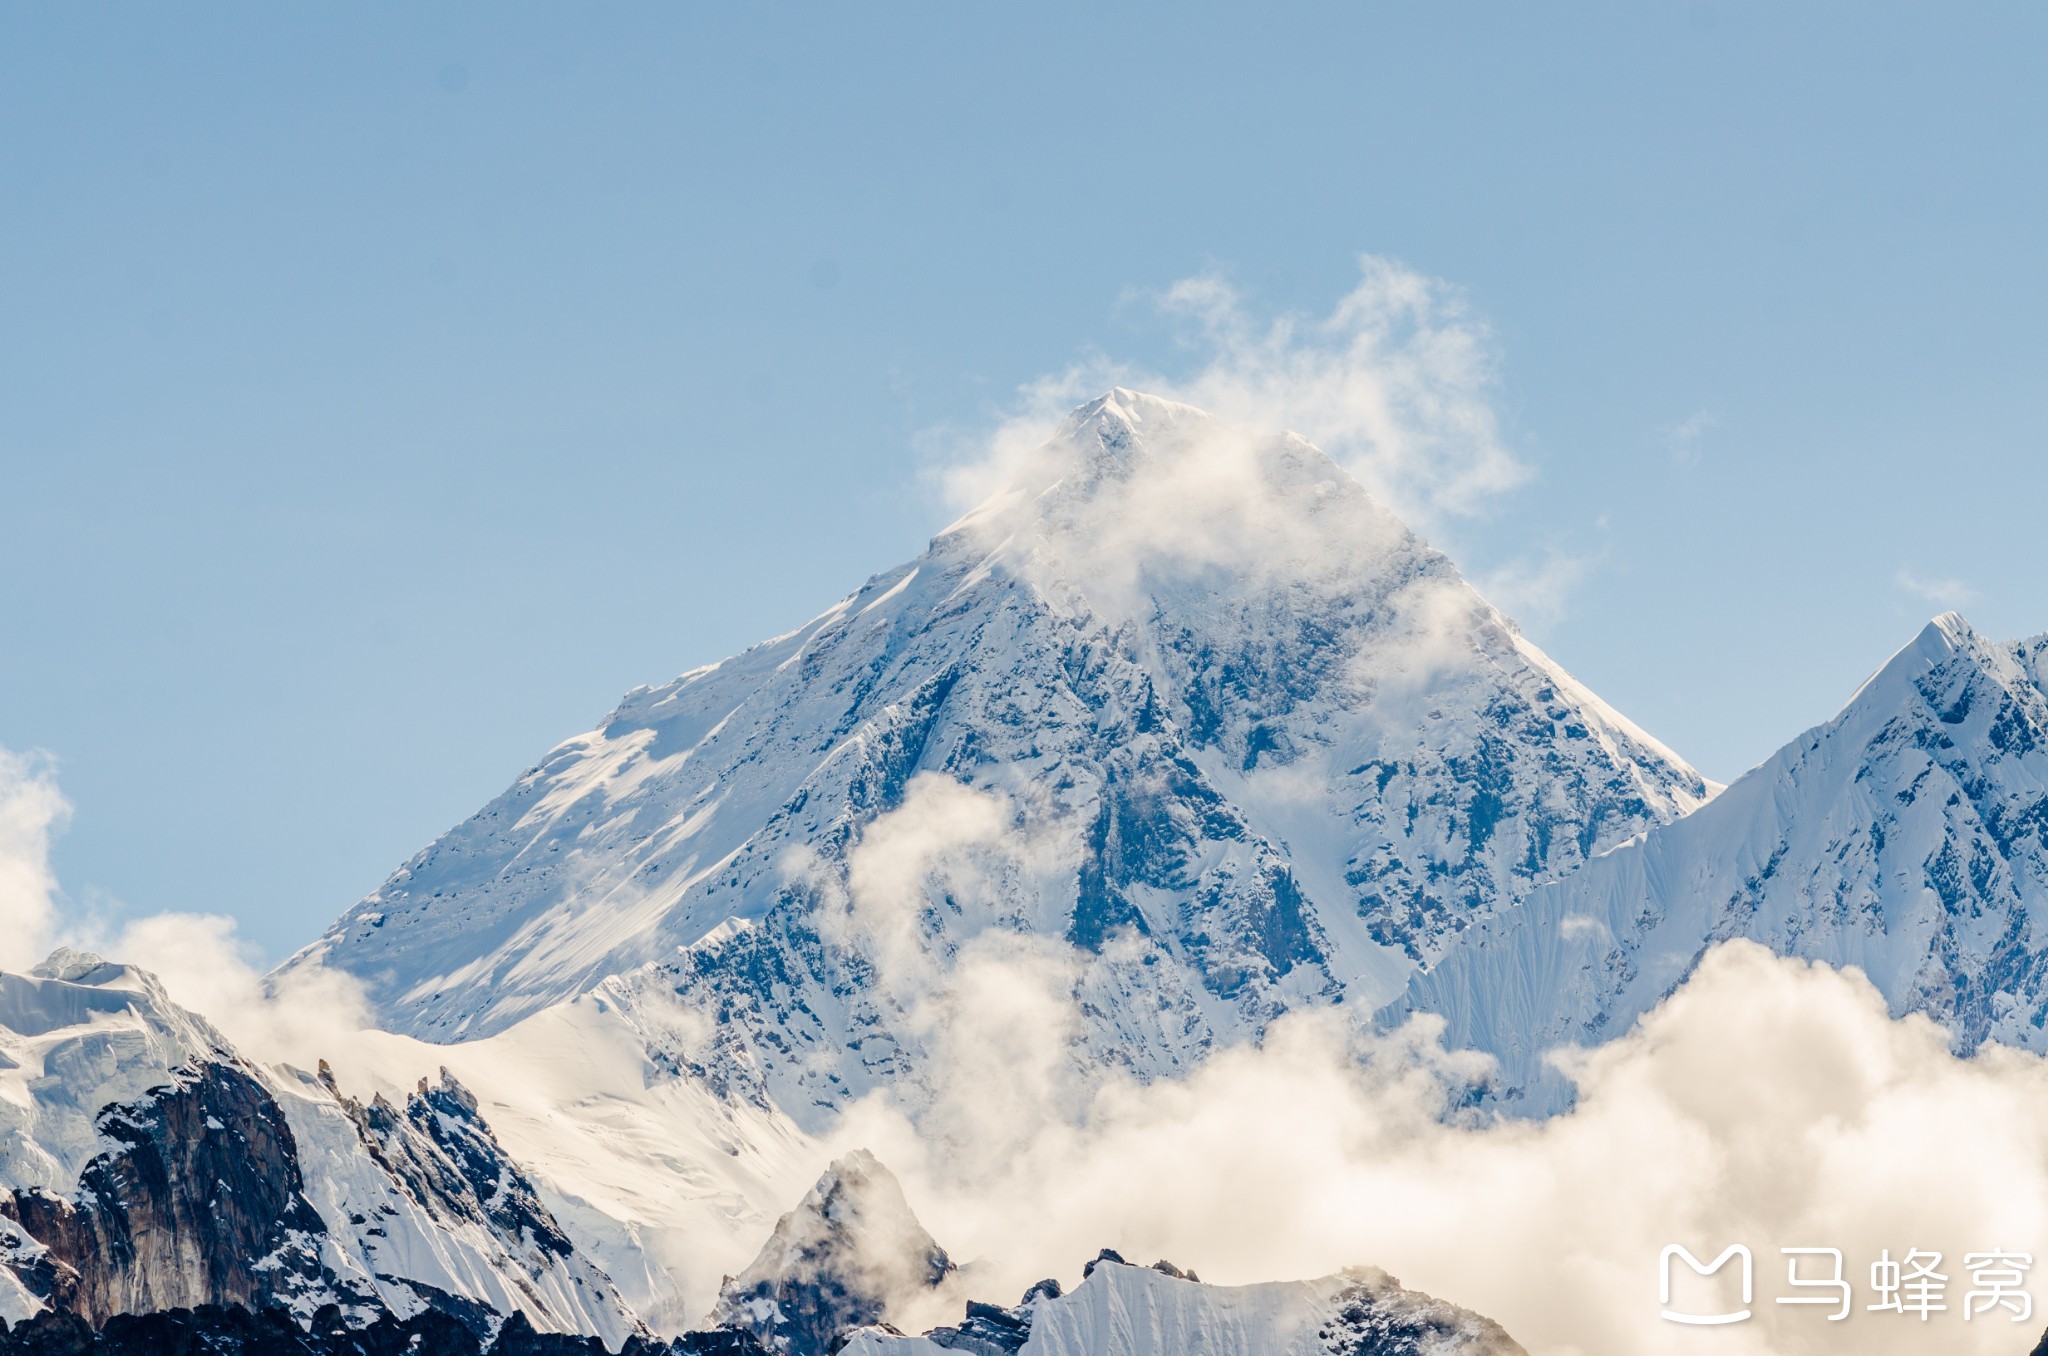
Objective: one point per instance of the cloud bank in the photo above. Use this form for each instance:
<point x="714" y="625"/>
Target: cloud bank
<point x="1770" y="1103"/>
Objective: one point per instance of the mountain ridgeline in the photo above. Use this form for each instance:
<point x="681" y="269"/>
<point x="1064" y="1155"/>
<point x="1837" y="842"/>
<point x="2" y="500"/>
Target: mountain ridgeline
<point x="1251" y="744"/>
<point x="1908" y="836"/>
<point x="1180" y="718"/>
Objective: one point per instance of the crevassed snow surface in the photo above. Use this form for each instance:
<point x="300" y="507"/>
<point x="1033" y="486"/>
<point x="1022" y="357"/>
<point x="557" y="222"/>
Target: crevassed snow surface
<point x="1271" y="744"/>
<point x="1908" y="836"/>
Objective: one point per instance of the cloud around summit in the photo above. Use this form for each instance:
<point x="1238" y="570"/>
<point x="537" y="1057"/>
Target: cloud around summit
<point x="1396" y="383"/>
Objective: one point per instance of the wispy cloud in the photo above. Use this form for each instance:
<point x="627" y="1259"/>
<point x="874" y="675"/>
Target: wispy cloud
<point x="1395" y="383"/>
<point x="1942" y="592"/>
<point x="200" y="957"/>
<point x="32" y="810"/>
<point x="1538" y="589"/>
<point x="1682" y="439"/>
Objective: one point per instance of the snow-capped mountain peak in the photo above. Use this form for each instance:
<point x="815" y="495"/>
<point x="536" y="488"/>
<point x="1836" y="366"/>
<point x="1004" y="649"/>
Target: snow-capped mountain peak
<point x="77" y="1034"/>
<point x="1123" y="1310"/>
<point x="1907" y="836"/>
<point x="1225" y="707"/>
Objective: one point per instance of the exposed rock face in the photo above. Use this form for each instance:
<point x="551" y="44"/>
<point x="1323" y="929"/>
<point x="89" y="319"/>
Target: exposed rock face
<point x="439" y="1151"/>
<point x="1376" y="1317"/>
<point x="991" y="1330"/>
<point x="835" y="1263"/>
<point x="217" y="1330"/>
<point x="198" y="1199"/>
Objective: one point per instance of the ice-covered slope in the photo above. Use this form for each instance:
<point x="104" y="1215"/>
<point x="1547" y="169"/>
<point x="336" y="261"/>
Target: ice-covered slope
<point x="1249" y="744"/>
<point x="1124" y="1310"/>
<point x="1907" y="836"/>
<point x="663" y="1184"/>
<point x="145" y="1165"/>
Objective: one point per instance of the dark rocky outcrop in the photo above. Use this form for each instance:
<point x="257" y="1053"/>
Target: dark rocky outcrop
<point x="988" y="1330"/>
<point x="835" y="1263"/>
<point x="197" y="1200"/>
<point x="1377" y="1317"/>
<point x="216" y="1330"/>
<point x="438" y="1149"/>
<point x="991" y="1330"/>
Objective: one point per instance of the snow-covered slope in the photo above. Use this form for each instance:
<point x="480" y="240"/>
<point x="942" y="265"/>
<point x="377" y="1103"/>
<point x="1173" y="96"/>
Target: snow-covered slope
<point x="1124" y="1310"/>
<point x="1245" y="743"/>
<point x="1907" y="836"/>
<point x="145" y="1165"/>
<point x="78" y="1035"/>
<point x="659" y="1181"/>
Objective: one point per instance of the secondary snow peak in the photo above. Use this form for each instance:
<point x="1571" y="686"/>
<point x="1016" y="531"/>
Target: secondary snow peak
<point x="1907" y="836"/>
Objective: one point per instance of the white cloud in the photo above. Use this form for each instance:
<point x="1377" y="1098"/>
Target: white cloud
<point x="304" y="1016"/>
<point x="32" y="810"/>
<point x="1537" y="589"/>
<point x="201" y="961"/>
<point x="1395" y="384"/>
<point x="1941" y="592"/>
<point x="1682" y="439"/>
<point x="1770" y="1103"/>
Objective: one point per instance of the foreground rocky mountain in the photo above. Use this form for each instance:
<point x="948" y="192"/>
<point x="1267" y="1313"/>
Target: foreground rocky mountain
<point x="1908" y="836"/>
<point x="213" y="1205"/>
<point x="1205" y="715"/>
<point x="144" y="1166"/>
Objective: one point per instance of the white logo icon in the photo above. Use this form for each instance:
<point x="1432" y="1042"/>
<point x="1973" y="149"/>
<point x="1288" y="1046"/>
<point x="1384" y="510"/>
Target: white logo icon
<point x="1700" y="1268"/>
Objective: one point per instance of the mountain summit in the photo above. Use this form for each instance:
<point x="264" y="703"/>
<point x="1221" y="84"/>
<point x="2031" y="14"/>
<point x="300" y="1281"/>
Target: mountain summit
<point x="1908" y="836"/>
<point x="1182" y="702"/>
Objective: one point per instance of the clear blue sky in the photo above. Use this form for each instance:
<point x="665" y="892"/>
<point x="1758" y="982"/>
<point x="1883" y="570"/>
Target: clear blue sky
<point x="385" y="389"/>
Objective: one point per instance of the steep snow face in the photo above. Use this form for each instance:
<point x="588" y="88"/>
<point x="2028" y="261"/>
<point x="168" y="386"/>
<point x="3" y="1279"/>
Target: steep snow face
<point x="576" y="1101"/>
<point x="77" y="1035"/>
<point x="427" y="1210"/>
<point x="1240" y="740"/>
<point x="1905" y="836"/>
<point x="1142" y="1311"/>
<point x="149" y="1165"/>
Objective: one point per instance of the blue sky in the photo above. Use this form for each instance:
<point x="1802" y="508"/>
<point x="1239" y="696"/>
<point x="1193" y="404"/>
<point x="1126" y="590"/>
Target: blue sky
<point x="384" y="390"/>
